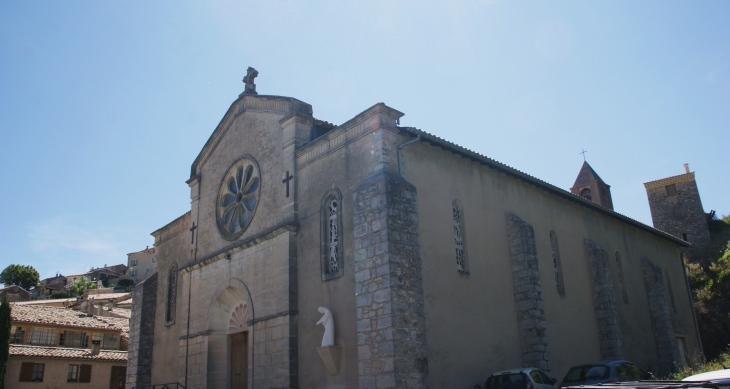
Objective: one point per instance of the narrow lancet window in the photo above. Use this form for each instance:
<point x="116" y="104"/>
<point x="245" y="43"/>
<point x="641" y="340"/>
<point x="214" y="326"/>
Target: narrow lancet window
<point x="333" y="237"/>
<point x="331" y="243"/>
<point x="458" y="236"/>
<point x="621" y="281"/>
<point x="557" y="265"/>
<point x="171" y="294"/>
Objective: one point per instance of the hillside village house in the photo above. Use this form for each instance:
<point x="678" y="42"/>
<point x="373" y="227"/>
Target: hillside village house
<point x="63" y="348"/>
<point x="141" y="264"/>
<point x="430" y="265"/>
<point x="14" y="293"/>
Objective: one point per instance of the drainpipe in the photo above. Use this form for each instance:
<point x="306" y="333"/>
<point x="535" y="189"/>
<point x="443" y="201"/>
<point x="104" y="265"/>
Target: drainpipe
<point x="400" y="146"/>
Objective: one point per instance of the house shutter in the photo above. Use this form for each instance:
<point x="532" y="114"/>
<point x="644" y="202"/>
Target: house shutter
<point x="26" y="371"/>
<point x="85" y="373"/>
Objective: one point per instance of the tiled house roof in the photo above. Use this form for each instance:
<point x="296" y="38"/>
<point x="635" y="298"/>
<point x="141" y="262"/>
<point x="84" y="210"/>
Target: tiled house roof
<point x="18" y="350"/>
<point x="65" y="317"/>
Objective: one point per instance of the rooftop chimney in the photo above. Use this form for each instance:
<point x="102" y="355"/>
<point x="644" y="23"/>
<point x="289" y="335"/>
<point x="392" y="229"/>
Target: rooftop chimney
<point x="686" y="168"/>
<point x="95" y="347"/>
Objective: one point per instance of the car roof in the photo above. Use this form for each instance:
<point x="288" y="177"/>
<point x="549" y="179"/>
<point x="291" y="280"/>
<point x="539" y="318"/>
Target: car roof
<point x="513" y="370"/>
<point x="710" y="375"/>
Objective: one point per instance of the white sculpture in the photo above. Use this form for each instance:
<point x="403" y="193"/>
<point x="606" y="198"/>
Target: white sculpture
<point x="329" y="327"/>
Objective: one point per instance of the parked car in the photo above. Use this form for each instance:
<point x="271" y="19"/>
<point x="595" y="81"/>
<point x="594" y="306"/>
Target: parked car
<point x="604" y="372"/>
<point x="520" y="378"/>
<point x="719" y="377"/>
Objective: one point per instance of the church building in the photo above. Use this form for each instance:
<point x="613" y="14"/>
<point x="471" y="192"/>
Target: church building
<point x="371" y="255"/>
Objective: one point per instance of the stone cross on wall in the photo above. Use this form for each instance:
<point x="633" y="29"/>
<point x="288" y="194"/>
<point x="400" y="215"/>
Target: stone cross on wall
<point x="251" y="74"/>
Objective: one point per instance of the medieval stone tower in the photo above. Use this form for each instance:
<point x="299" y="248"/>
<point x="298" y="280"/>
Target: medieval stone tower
<point x="591" y="187"/>
<point x="676" y="208"/>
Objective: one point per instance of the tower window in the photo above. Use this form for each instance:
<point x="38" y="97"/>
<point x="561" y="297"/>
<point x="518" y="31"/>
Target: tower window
<point x="458" y="224"/>
<point x="586" y="194"/>
<point x="671" y="190"/>
<point x="684" y="236"/>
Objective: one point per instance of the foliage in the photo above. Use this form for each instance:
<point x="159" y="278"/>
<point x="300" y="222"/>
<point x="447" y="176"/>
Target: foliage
<point x="718" y="364"/>
<point x="708" y="272"/>
<point x="5" y="323"/>
<point x="24" y="276"/>
<point x="81" y="285"/>
<point x="124" y="282"/>
<point x="59" y="295"/>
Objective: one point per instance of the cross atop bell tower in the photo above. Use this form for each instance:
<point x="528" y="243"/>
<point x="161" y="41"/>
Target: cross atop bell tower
<point x="591" y="187"/>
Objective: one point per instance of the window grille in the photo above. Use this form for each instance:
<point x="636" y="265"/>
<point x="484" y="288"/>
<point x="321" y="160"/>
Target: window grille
<point x="621" y="281"/>
<point x="557" y="264"/>
<point x="171" y="294"/>
<point x="108" y="341"/>
<point x="458" y="236"/>
<point x="77" y="339"/>
<point x="17" y="335"/>
<point x="42" y="336"/>
<point x="333" y="237"/>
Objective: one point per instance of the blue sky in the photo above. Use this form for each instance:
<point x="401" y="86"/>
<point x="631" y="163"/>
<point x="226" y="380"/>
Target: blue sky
<point x="104" y="105"/>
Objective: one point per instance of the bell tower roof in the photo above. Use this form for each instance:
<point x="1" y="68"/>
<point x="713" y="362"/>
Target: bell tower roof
<point x="591" y="186"/>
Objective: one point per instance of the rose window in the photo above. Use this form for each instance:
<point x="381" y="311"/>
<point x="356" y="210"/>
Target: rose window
<point x="237" y="198"/>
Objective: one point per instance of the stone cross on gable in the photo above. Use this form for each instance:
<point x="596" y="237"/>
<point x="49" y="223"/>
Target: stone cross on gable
<point x="251" y="74"/>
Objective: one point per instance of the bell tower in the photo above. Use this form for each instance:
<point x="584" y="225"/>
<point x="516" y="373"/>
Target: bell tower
<point x="591" y="187"/>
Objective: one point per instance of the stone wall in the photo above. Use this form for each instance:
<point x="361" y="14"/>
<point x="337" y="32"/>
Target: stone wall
<point x="391" y="327"/>
<point x="604" y="301"/>
<point x="661" y="317"/>
<point x="680" y="213"/>
<point x="141" y="333"/>
<point x="528" y="293"/>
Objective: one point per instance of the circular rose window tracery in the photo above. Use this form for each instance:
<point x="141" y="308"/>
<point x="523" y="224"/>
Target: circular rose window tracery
<point x="238" y="197"/>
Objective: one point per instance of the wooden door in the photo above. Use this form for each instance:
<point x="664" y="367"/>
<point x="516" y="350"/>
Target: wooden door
<point x="119" y="377"/>
<point x="239" y="360"/>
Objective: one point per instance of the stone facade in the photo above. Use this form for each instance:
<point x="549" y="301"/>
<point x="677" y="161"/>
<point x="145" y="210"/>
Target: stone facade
<point x="404" y="315"/>
<point x="391" y="326"/>
<point x="141" y="333"/>
<point x="676" y="208"/>
<point x="528" y="294"/>
<point x="604" y="301"/>
<point x="661" y="317"/>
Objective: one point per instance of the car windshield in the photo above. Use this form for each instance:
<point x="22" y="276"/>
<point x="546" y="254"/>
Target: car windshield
<point x="506" y="381"/>
<point x="587" y="373"/>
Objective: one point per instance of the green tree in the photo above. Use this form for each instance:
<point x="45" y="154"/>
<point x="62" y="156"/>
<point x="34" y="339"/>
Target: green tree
<point x="24" y="276"/>
<point x="59" y="295"/>
<point x="5" y="323"/>
<point x="81" y="285"/>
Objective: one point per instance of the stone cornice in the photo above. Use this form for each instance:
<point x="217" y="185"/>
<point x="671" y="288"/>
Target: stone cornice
<point x="172" y="228"/>
<point x="260" y="103"/>
<point x="235" y="247"/>
<point x="687" y="177"/>
<point x="377" y="116"/>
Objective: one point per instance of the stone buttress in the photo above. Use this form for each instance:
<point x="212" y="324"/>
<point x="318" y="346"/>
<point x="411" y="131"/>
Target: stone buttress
<point x="391" y="326"/>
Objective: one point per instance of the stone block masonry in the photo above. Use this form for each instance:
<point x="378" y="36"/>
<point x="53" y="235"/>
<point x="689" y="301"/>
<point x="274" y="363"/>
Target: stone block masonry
<point x="604" y="301"/>
<point x="528" y="294"/>
<point x="661" y="317"/>
<point x="391" y="327"/>
<point x="142" y="333"/>
<point x="678" y="210"/>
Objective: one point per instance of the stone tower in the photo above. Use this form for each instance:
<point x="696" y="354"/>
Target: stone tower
<point x="676" y="208"/>
<point x="591" y="187"/>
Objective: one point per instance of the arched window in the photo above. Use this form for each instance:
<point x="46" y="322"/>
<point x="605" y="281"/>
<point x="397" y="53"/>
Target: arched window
<point x="331" y="262"/>
<point x="621" y="281"/>
<point x="586" y="194"/>
<point x="171" y="294"/>
<point x="557" y="265"/>
<point x="459" y="246"/>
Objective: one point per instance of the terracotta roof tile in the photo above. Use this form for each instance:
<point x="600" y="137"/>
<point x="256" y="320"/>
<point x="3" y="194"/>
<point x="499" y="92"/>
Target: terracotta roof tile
<point x="65" y="317"/>
<point x="21" y="350"/>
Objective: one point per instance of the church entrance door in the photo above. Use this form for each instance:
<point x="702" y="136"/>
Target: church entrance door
<point x="239" y="360"/>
